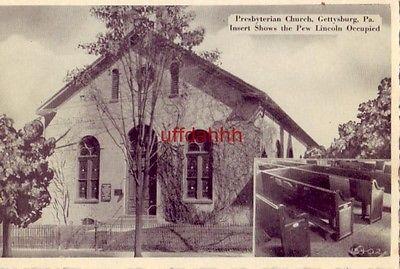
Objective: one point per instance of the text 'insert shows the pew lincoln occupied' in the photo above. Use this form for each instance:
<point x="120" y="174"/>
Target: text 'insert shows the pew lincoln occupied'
<point x="304" y="24"/>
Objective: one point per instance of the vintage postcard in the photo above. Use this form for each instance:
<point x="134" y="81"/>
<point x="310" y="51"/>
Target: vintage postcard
<point x="221" y="135"/>
<point x="322" y="207"/>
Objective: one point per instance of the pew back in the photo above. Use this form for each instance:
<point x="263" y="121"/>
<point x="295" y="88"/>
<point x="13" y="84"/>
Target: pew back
<point x="306" y="191"/>
<point x="356" y="176"/>
<point x="269" y="215"/>
<point x="290" y="186"/>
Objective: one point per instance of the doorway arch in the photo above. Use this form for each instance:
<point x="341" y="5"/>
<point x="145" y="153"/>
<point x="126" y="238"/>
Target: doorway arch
<point x="150" y="198"/>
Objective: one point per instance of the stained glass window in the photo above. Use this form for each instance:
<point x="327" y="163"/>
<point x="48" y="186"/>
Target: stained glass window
<point x="199" y="166"/>
<point x="89" y="168"/>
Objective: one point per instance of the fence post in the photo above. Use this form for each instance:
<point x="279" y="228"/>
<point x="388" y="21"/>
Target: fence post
<point x="7" y="229"/>
<point x="59" y="237"/>
<point x="95" y="236"/>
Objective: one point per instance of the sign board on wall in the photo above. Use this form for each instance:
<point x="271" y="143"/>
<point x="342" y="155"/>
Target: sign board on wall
<point x="105" y="192"/>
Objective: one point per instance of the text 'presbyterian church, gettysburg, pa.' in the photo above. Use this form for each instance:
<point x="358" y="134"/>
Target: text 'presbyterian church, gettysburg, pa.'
<point x="208" y="182"/>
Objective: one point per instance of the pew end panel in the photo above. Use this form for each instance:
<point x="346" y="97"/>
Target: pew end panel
<point x="376" y="205"/>
<point x="344" y="217"/>
<point x="296" y="236"/>
<point x="370" y="194"/>
<point x="279" y="222"/>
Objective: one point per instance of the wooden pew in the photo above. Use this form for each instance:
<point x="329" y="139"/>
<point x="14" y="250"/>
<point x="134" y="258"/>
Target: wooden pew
<point x="387" y="169"/>
<point x="276" y="221"/>
<point x="383" y="178"/>
<point x="286" y="163"/>
<point x="267" y="166"/>
<point x="357" y="184"/>
<point x="309" y="192"/>
<point x="356" y="165"/>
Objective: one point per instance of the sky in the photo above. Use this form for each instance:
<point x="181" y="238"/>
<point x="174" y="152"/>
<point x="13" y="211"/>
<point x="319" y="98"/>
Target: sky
<point x="318" y="80"/>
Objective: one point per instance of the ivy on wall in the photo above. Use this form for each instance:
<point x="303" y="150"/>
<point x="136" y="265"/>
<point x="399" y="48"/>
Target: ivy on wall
<point x="232" y="170"/>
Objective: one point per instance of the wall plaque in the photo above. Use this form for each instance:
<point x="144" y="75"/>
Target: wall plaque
<point x="105" y="192"/>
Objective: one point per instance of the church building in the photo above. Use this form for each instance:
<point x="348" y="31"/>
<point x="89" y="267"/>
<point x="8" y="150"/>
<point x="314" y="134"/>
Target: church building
<point x="209" y="182"/>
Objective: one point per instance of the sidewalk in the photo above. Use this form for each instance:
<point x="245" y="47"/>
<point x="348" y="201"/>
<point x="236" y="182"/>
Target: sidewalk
<point x="74" y="253"/>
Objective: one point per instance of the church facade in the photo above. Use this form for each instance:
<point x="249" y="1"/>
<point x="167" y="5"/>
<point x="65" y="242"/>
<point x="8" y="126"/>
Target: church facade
<point x="208" y="182"/>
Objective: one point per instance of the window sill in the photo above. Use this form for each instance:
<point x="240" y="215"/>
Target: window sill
<point x="197" y="201"/>
<point x="113" y="101"/>
<point x="86" y="201"/>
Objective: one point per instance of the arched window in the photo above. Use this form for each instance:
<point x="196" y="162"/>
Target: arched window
<point x="198" y="178"/>
<point x="89" y="166"/>
<point x="289" y="152"/>
<point x="115" y="84"/>
<point x="278" y="149"/>
<point x="148" y="142"/>
<point x="174" y="70"/>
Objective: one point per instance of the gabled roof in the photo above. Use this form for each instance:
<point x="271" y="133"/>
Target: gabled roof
<point x="247" y="91"/>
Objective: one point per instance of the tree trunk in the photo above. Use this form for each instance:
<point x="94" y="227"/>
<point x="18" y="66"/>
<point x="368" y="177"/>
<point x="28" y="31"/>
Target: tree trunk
<point x="138" y="221"/>
<point x="6" y="239"/>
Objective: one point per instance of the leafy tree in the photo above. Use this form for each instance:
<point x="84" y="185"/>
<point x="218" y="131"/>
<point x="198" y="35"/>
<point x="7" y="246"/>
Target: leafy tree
<point x="370" y="136"/>
<point x="315" y="153"/>
<point x="348" y="145"/>
<point x="144" y="41"/>
<point x="24" y="175"/>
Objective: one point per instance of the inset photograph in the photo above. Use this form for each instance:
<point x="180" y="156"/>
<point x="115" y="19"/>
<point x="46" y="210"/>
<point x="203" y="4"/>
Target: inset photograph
<point x="322" y="207"/>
